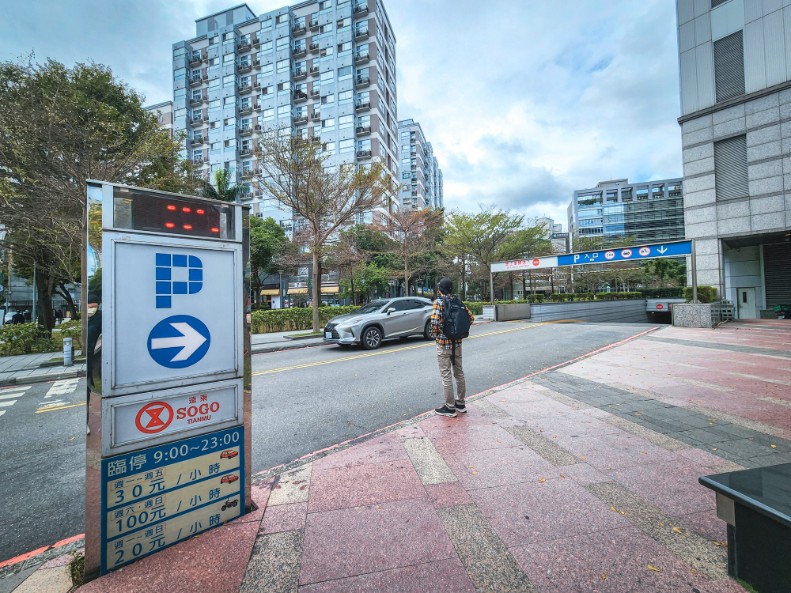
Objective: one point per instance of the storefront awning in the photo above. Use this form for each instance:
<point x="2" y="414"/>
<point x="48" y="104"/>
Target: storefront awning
<point x="329" y="290"/>
<point x="270" y="292"/>
<point x="297" y="291"/>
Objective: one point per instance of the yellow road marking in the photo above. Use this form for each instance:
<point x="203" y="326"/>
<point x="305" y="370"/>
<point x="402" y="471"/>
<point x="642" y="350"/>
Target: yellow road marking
<point x="392" y="351"/>
<point x="55" y="408"/>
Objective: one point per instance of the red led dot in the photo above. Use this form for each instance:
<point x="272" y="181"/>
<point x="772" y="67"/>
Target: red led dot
<point x="185" y="209"/>
<point x="215" y="229"/>
<point x="170" y="225"/>
<point x="200" y="211"/>
<point x="187" y="227"/>
<point x="171" y="207"/>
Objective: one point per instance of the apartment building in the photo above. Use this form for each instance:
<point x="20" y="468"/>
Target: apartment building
<point x="164" y="114"/>
<point x="648" y="212"/>
<point x="323" y="70"/>
<point x="421" y="177"/>
<point x="735" y="76"/>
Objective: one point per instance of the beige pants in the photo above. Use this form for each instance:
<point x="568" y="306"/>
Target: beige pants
<point x="445" y="367"/>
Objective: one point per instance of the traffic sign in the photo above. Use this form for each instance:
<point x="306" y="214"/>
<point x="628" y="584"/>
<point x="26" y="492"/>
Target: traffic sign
<point x="670" y="249"/>
<point x="179" y="341"/>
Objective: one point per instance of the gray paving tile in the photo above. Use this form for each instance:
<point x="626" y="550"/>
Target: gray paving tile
<point x="274" y="563"/>
<point x="428" y="463"/>
<point x="489" y="564"/>
<point x="679" y="539"/>
<point x="548" y="449"/>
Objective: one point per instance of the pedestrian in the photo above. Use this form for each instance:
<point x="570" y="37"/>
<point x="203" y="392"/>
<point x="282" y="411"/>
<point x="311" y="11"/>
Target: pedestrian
<point x="450" y="316"/>
<point x="18" y="317"/>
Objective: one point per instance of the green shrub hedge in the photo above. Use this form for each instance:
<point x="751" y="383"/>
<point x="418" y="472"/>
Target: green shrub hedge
<point x="298" y="318"/>
<point x="706" y="294"/>
<point x="25" y="338"/>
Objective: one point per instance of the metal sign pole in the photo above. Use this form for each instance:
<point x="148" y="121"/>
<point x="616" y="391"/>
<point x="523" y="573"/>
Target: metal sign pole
<point x="694" y="274"/>
<point x="491" y="288"/>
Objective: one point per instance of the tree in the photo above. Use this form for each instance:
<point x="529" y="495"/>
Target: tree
<point x="524" y="243"/>
<point x="323" y="197"/>
<point x="414" y="233"/>
<point x="58" y="128"/>
<point x="267" y="244"/>
<point x="664" y="271"/>
<point x="224" y="188"/>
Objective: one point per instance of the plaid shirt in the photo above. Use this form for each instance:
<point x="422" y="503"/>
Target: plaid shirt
<point x="437" y="313"/>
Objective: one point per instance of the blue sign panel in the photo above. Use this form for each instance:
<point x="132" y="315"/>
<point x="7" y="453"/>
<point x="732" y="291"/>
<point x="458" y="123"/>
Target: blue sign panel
<point x="179" y="341"/>
<point x="637" y="252"/>
<point x="158" y="496"/>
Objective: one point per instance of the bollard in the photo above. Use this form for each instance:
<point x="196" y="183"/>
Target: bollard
<point x="68" y="352"/>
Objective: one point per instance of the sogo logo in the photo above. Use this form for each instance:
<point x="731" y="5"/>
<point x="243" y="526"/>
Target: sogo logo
<point x="156" y="416"/>
<point x="199" y="410"/>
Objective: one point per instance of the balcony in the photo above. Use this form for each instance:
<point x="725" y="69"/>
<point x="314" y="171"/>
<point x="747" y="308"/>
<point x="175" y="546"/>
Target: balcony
<point x="362" y="105"/>
<point x="197" y="140"/>
<point x="245" y="108"/>
<point x="362" y="81"/>
<point x="361" y="130"/>
<point x="247" y="174"/>
<point x="361" y="33"/>
<point x="314" y="46"/>
<point x="301" y="118"/>
<point x="314" y="70"/>
<point x="197" y="161"/>
<point x="243" y="46"/>
<point x="298" y="29"/>
<point x="363" y="154"/>
<point x="299" y="51"/>
<point x="196" y="119"/>
<point x="362" y="57"/>
<point x="196" y="80"/>
<point x="194" y="102"/>
<point x="300" y="96"/>
<point x="314" y="24"/>
<point x="196" y="59"/>
<point x="245" y="88"/>
<point x="258" y="127"/>
<point x="360" y="9"/>
<point x="256" y="40"/>
<point x="315" y="93"/>
<point x="300" y="73"/>
<point x="316" y="116"/>
<point x="246" y="151"/>
<point x="244" y="67"/>
<point x="245" y="130"/>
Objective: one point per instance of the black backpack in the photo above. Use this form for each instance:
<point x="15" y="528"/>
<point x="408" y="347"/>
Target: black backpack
<point x="456" y="320"/>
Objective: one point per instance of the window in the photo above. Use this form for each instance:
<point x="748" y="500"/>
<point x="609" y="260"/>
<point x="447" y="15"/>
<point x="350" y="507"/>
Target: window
<point x="326" y="99"/>
<point x="346" y="145"/>
<point x="267" y="90"/>
<point x="283" y="65"/>
<point x="266" y="69"/>
<point x="230" y="79"/>
<point x="328" y="75"/>
<point x="283" y="86"/>
<point x="326" y="51"/>
<point x="266" y="24"/>
<point x="229" y="101"/>
<point x="344" y="47"/>
<point x="345" y="96"/>
<point x="266" y="46"/>
<point x="268" y="113"/>
<point x="729" y="66"/>
<point x="283" y="110"/>
<point x="282" y="18"/>
<point x="324" y="4"/>
<point x="344" y="72"/>
<point x="328" y="124"/>
<point x="326" y="28"/>
<point x="345" y="22"/>
<point x="730" y="168"/>
<point x="716" y="3"/>
<point x="345" y="121"/>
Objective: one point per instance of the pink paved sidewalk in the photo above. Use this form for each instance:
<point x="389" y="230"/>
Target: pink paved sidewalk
<point x="554" y="484"/>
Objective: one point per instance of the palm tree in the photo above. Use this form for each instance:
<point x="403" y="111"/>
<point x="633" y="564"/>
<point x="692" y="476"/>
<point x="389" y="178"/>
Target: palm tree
<point x="225" y="189"/>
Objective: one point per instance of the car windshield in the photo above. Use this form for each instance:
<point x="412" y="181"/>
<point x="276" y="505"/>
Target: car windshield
<point x="371" y="307"/>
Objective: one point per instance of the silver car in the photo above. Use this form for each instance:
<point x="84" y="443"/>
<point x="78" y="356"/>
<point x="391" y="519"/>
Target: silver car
<point x="379" y="320"/>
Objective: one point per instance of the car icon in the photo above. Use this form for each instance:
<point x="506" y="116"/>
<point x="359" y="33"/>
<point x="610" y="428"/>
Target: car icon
<point x="229" y="503"/>
<point x="229" y="479"/>
<point x="228" y="454"/>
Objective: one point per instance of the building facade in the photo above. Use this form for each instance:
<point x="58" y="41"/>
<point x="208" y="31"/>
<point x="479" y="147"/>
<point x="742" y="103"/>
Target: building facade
<point x="322" y="69"/>
<point x="647" y="212"/>
<point x="164" y="114"/>
<point x="735" y="77"/>
<point x="421" y="178"/>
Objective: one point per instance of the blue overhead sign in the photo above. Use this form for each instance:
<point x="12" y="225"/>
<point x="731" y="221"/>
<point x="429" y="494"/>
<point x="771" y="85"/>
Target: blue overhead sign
<point x="674" y="249"/>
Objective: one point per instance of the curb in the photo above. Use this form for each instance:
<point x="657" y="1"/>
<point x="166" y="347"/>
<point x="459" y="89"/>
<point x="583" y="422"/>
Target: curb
<point x="41" y="378"/>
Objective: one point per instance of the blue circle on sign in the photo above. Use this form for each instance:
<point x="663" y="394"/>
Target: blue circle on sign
<point x="179" y="341"/>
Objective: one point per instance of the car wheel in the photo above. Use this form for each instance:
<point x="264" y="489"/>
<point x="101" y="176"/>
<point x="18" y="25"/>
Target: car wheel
<point x="427" y="331"/>
<point x="371" y="339"/>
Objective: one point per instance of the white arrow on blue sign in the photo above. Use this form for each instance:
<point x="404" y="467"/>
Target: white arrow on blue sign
<point x="671" y="249"/>
<point x="179" y="341"/>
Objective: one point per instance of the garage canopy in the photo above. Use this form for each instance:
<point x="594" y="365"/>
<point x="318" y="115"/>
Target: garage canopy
<point x="270" y="292"/>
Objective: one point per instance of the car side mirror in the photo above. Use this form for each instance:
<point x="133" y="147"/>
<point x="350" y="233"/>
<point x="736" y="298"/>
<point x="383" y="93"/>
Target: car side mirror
<point x="391" y="310"/>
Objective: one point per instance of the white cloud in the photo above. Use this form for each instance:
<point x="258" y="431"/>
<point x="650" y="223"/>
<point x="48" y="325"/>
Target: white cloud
<point x="523" y="101"/>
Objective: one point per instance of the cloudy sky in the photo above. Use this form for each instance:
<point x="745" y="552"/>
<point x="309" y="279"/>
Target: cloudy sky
<point x="524" y="101"/>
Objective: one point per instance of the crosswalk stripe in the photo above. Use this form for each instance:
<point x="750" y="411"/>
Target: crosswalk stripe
<point x="62" y="387"/>
<point x="6" y="404"/>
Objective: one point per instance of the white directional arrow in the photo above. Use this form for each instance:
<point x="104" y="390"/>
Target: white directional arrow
<point x="662" y="249"/>
<point x="189" y="341"/>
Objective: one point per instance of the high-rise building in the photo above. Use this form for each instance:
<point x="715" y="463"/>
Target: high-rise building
<point x="164" y="114"/>
<point x="735" y="73"/>
<point x="322" y="69"/>
<point x="421" y="177"/>
<point x="648" y="212"/>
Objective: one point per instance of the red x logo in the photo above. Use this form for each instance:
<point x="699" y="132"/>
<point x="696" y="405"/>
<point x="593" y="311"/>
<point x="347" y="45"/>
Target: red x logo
<point x="154" y="417"/>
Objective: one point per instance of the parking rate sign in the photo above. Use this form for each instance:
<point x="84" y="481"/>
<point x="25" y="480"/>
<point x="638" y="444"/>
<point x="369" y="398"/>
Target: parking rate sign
<point x="672" y="249"/>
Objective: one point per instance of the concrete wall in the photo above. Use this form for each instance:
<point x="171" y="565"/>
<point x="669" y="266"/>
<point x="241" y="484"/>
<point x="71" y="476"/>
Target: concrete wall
<point x="594" y="311"/>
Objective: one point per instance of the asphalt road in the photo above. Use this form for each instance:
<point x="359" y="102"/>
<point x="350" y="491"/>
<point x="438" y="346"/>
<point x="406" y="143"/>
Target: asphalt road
<point x="303" y="401"/>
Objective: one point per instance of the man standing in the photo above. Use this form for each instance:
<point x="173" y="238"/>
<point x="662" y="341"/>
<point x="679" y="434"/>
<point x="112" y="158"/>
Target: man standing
<point x="449" y="354"/>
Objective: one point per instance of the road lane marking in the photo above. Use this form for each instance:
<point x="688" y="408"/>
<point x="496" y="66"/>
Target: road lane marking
<point x="51" y="408"/>
<point x="10" y="396"/>
<point x="62" y="387"/>
<point x="385" y="352"/>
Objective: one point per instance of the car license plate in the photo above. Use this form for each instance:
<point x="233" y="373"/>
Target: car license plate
<point x="328" y="335"/>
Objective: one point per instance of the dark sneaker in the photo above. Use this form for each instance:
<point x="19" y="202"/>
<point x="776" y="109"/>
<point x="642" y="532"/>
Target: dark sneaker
<point x="461" y="408"/>
<point x="446" y="411"/>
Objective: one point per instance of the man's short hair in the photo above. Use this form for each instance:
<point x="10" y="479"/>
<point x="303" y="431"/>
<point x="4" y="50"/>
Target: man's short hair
<point x="445" y="286"/>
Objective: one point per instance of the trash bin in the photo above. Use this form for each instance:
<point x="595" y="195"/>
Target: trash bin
<point x="783" y="311"/>
<point x="68" y="352"/>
